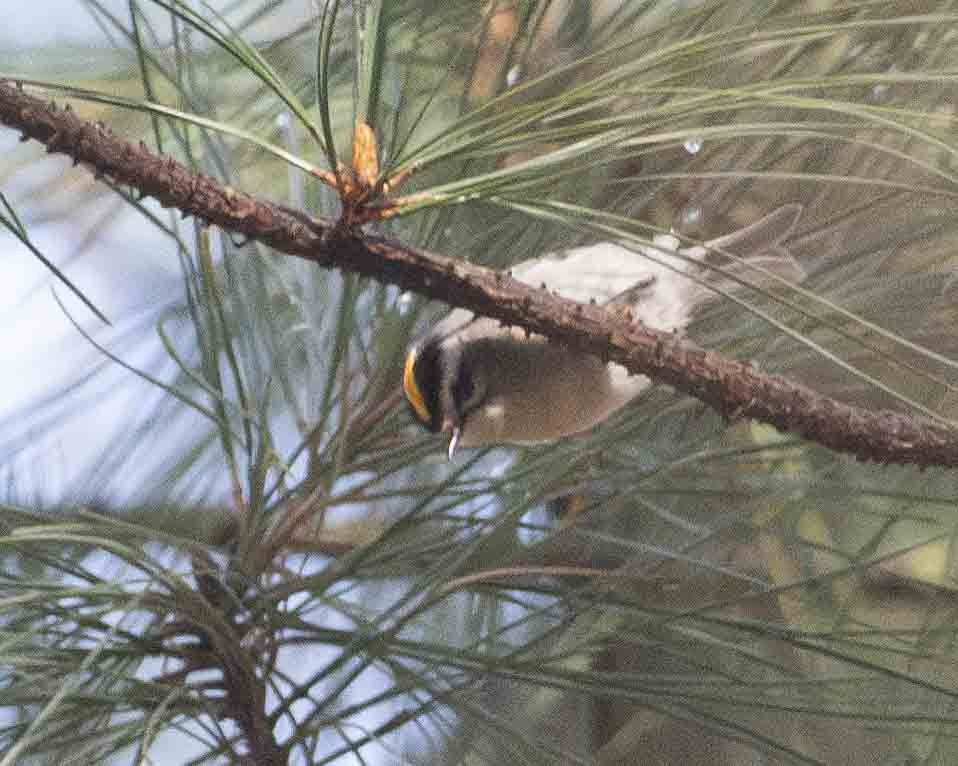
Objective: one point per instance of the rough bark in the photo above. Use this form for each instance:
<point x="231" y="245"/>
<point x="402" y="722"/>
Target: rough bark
<point x="733" y="388"/>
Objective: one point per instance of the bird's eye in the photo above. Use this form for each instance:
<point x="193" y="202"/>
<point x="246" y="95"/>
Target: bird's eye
<point x="465" y="391"/>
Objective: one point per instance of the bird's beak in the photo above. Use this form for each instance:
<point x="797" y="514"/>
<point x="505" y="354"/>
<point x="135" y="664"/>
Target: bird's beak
<point x="449" y="427"/>
<point x="454" y="441"/>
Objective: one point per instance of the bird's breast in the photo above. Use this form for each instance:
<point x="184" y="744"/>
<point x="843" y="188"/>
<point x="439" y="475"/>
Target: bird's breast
<point x="546" y="393"/>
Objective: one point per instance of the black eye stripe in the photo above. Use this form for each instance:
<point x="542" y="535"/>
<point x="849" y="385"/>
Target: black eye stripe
<point x="465" y="385"/>
<point x="428" y="375"/>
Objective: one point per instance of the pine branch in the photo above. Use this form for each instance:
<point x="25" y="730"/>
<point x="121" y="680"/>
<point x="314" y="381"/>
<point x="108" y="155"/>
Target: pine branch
<point x="731" y="387"/>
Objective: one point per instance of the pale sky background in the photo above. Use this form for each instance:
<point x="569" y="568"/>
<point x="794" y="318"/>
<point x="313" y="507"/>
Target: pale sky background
<point x="30" y="23"/>
<point x="38" y="346"/>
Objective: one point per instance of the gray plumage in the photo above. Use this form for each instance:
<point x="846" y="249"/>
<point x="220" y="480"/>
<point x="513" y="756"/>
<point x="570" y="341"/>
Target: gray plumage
<point x="498" y="385"/>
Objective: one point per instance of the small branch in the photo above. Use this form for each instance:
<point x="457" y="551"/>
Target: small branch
<point x="732" y="388"/>
<point x="243" y="688"/>
<point x="515" y="572"/>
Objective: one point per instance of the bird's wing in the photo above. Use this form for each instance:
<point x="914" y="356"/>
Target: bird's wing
<point x="653" y="279"/>
<point x="599" y="272"/>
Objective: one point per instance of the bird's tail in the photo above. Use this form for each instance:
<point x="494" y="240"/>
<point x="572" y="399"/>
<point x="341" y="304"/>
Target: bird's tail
<point x="748" y="255"/>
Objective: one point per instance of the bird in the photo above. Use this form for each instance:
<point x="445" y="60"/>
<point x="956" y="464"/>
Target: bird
<point x="482" y="383"/>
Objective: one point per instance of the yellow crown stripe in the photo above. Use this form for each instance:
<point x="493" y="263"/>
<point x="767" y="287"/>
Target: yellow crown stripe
<point x="413" y="392"/>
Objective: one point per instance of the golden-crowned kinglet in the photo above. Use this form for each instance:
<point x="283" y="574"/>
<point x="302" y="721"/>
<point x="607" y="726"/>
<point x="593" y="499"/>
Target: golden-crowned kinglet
<point x="483" y="383"/>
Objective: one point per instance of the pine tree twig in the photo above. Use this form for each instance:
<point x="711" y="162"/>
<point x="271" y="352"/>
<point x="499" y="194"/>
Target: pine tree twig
<point x="733" y="388"/>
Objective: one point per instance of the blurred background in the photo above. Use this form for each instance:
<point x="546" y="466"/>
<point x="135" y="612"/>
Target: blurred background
<point x="223" y="538"/>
